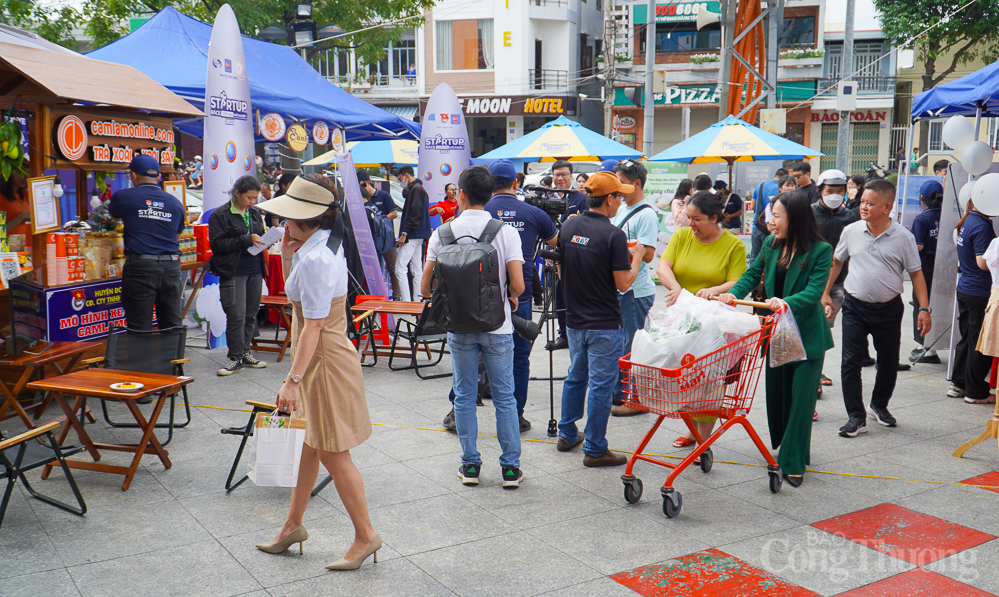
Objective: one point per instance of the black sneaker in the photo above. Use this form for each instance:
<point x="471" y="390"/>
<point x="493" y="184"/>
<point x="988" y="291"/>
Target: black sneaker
<point x="559" y="343"/>
<point x="882" y="416"/>
<point x="249" y="361"/>
<point x="233" y="366"/>
<point x="525" y="425"/>
<point x="449" y="422"/>
<point x="868" y="361"/>
<point x="469" y="474"/>
<point x="853" y="427"/>
<point x="512" y="476"/>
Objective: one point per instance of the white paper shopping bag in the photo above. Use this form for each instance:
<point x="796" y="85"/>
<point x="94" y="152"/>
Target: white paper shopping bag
<point x="276" y="450"/>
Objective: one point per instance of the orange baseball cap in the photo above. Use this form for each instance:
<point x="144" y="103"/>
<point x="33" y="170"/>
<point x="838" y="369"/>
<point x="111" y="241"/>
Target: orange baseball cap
<point x="605" y="183"/>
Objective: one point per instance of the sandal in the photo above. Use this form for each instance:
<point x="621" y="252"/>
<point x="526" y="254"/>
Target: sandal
<point x="825" y="381"/>
<point x="683" y="441"/>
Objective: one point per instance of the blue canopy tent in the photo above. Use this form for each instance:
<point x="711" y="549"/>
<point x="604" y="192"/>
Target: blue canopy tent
<point x="974" y="95"/>
<point x="172" y="49"/>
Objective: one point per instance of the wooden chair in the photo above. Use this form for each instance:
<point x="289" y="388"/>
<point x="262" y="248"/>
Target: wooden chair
<point x="21" y="454"/>
<point x="246" y="433"/>
<point x="425" y="332"/>
<point x="281" y="304"/>
<point x="155" y="351"/>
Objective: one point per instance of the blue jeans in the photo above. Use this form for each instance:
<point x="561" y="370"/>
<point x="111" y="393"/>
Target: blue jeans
<point x="521" y="358"/>
<point x="633" y="314"/>
<point x="497" y="353"/>
<point x="593" y="358"/>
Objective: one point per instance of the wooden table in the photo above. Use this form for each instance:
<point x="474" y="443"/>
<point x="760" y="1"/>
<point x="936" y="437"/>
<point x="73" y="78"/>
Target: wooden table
<point x="96" y="383"/>
<point x="369" y="309"/>
<point x="197" y="277"/>
<point x="28" y="363"/>
<point x="280" y="304"/>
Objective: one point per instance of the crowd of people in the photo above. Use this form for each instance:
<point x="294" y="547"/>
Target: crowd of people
<point x="818" y="248"/>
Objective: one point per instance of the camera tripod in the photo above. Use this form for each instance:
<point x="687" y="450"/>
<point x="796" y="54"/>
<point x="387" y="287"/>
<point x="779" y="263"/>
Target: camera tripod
<point x="549" y="320"/>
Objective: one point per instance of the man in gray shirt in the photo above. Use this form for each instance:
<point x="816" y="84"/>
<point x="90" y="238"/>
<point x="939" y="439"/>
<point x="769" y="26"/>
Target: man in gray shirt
<point x="880" y="251"/>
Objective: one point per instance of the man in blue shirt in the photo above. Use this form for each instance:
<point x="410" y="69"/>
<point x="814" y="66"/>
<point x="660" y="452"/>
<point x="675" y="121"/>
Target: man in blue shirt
<point x="384" y="202"/>
<point x="641" y="225"/>
<point x="532" y="224"/>
<point x="153" y="219"/>
<point x="762" y="194"/>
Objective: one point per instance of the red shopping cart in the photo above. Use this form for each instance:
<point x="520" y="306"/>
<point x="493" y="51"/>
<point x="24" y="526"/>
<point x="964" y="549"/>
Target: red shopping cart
<point x="720" y="384"/>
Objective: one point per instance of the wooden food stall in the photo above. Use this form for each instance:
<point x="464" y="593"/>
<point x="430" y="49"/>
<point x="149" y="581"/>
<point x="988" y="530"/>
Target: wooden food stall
<point x="82" y="115"/>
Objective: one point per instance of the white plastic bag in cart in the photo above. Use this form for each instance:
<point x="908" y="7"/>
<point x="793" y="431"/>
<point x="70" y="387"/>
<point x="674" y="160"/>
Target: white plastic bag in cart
<point x="276" y="450"/>
<point x="785" y="340"/>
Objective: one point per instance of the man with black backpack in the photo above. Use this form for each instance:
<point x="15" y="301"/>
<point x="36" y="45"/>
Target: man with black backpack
<point x="382" y="221"/>
<point x="476" y="263"/>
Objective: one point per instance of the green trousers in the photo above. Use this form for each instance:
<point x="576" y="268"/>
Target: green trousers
<point x="791" y="393"/>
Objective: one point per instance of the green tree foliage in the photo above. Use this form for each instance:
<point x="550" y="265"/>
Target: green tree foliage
<point x="955" y="40"/>
<point x="107" y="20"/>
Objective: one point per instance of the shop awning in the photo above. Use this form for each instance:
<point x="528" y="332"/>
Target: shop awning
<point x="41" y="75"/>
<point x="407" y="112"/>
<point x="172" y="48"/>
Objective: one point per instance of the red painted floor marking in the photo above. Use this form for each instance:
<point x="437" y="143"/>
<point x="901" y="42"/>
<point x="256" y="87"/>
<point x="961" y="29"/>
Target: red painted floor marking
<point x="904" y="534"/>
<point x="709" y="573"/>
<point x="986" y="479"/>
<point x="917" y="583"/>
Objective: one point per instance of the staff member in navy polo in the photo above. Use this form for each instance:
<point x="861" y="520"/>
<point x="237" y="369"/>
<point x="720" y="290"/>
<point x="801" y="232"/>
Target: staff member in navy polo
<point x="575" y="205"/>
<point x="531" y="223"/>
<point x="975" y="232"/>
<point x="153" y="220"/>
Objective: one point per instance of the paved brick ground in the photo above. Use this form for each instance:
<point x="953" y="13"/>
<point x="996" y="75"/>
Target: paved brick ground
<point x="566" y="531"/>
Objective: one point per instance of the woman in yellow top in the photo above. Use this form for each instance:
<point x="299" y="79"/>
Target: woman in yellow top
<point x="705" y="260"/>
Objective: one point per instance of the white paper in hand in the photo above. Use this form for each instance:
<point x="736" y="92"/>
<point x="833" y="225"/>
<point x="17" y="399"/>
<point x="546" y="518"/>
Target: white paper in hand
<point x="269" y="238"/>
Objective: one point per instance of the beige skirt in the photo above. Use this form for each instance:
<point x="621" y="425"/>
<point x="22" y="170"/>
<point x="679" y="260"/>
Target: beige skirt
<point x="988" y="341"/>
<point x="331" y="398"/>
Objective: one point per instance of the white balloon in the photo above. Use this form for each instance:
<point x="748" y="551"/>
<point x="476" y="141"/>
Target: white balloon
<point x="986" y="194"/>
<point x="964" y="194"/>
<point x="958" y="132"/>
<point x="977" y="157"/>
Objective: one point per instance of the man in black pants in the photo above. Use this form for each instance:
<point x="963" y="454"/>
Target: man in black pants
<point x="880" y="251"/>
<point x="575" y="205"/>
<point x="153" y="220"/>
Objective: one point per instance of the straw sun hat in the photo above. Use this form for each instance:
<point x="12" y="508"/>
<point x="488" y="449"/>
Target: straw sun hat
<point x="304" y="200"/>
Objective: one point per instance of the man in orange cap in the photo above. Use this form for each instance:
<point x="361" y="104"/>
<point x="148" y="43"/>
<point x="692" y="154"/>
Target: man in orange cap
<point x="596" y="264"/>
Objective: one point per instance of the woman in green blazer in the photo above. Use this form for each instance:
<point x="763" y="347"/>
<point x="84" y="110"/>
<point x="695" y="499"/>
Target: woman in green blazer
<point x="794" y="265"/>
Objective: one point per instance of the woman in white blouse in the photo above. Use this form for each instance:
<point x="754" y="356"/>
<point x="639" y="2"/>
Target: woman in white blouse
<point x="325" y="385"/>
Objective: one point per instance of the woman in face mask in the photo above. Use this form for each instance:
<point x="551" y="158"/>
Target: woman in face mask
<point x="854" y="190"/>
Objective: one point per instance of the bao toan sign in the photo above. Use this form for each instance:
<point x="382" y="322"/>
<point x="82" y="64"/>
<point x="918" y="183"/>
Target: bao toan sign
<point x="879" y="115"/>
<point x="108" y="140"/>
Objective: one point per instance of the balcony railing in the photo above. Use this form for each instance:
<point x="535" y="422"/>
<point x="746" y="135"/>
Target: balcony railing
<point x="549" y="2"/>
<point x="547" y="79"/>
<point x="865" y="85"/>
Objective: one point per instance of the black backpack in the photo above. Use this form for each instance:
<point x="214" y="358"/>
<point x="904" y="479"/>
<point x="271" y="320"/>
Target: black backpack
<point x="468" y="298"/>
<point x="382" y="230"/>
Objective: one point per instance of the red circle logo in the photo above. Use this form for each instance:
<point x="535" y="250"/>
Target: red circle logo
<point x="72" y="138"/>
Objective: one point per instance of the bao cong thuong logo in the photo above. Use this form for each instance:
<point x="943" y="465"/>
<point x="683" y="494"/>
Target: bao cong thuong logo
<point x="247" y="163"/>
<point x="427" y="175"/>
<point x="445" y="168"/>
<point x="223" y="106"/>
<point x="230" y="151"/>
<point x="213" y="161"/>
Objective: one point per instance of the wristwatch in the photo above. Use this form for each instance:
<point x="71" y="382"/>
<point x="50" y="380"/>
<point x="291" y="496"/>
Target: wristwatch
<point x="294" y="378"/>
<point x="927" y="309"/>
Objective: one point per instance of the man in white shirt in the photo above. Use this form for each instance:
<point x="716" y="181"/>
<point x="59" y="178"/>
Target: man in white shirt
<point x="475" y="189"/>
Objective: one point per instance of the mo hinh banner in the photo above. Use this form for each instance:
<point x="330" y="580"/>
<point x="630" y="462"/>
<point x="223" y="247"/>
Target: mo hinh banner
<point x="444" y="147"/>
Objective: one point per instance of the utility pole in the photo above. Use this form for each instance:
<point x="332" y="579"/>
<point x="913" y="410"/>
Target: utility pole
<point x="845" y="70"/>
<point x="728" y="13"/>
<point x="775" y="19"/>
<point x="648" y="131"/>
<point x="610" y="70"/>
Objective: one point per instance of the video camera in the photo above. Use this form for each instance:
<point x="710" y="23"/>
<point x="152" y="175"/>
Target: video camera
<point x="551" y="201"/>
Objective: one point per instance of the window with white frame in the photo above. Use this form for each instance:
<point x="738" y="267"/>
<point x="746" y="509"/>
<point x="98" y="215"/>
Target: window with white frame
<point x="464" y="44"/>
<point x="993" y="139"/>
<point x="936" y="137"/>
